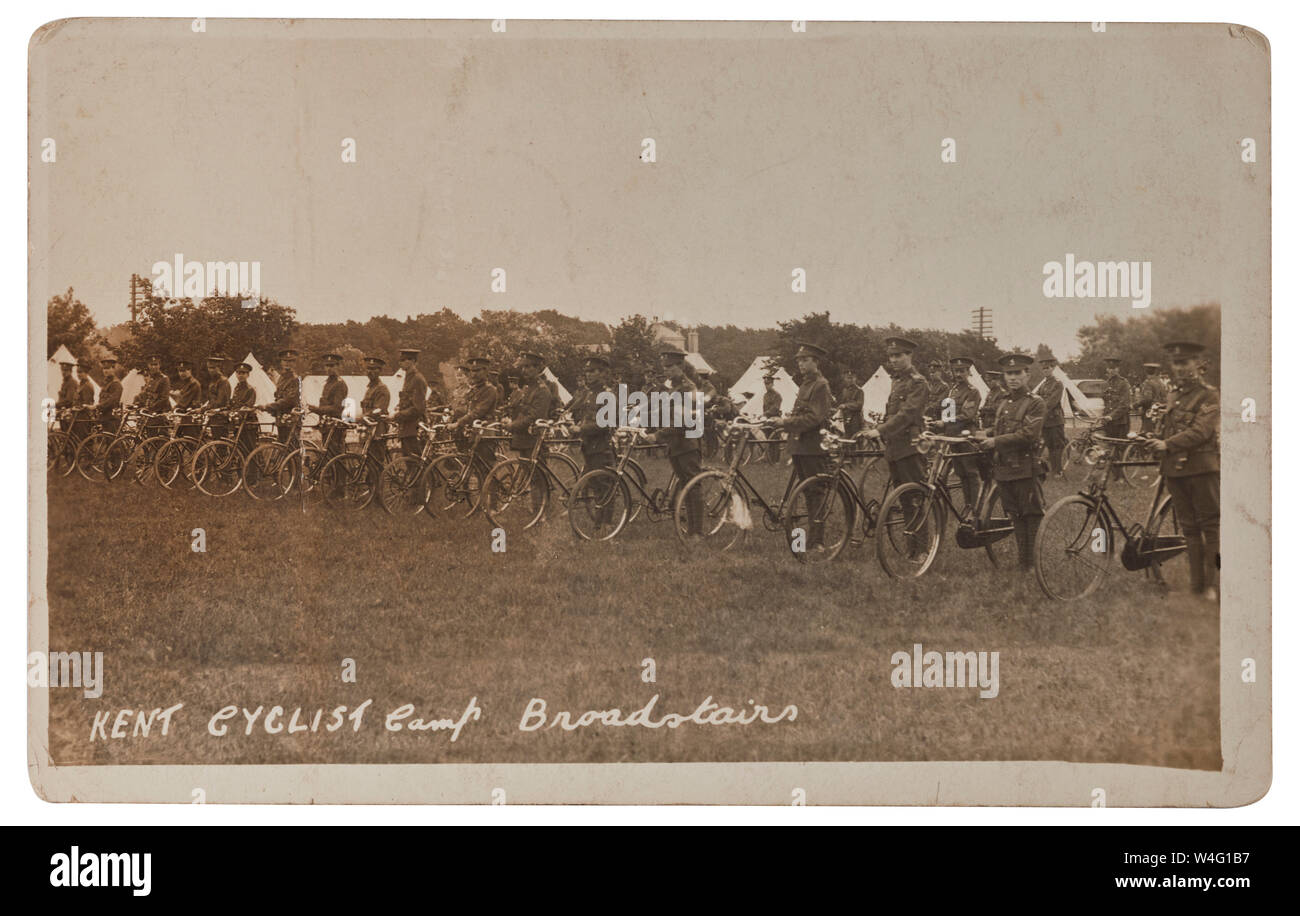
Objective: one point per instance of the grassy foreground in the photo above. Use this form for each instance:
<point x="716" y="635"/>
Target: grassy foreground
<point x="432" y="617"/>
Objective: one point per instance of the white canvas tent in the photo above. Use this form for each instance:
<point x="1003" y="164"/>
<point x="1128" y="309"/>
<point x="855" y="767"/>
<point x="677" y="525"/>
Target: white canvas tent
<point x="313" y="385"/>
<point x="1072" y="396"/>
<point x="979" y="384"/>
<point x="875" y="393"/>
<point x="261" y="382"/>
<point x="132" y="384"/>
<point x="54" y="375"/>
<point x="560" y="390"/>
<point x="752" y="380"/>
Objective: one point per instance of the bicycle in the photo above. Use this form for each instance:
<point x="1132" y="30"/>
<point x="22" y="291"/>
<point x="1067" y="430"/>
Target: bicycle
<point x="350" y="479"/>
<point x="605" y="500"/>
<point x="1076" y="539"/>
<point x="217" y="467"/>
<point x="833" y="502"/>
<point x="1083" y="449"/>
<point x="913" y="517"/>
<point x="518" y="490"/>
<point x="443" y="477"/>
<point x="174" y="459"/>
<point x="727" y="496"/>
<point x="274" y="468"/>
<point x="60" y="444"/>
<point x="92" y="453"/>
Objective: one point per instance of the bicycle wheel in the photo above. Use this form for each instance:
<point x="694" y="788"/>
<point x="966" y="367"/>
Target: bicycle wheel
<point x="873" y="486"/>
<point x="566" y="471"/>
<point x="1173" y="572"/>
<point x="1140" y="475"/>
<point x="450" y="487"/>
<point x="60" y="453"/>
<point x="218" y="468"/>
<point x="515" y="494"/>
<point x="722" y="512"/>
<point x="117" y="455"/>
<point x="1003" y="552"/>
<point x="403" y="487"/>
<point x="634" y="470"/>
<point x="139" y="467"/>
<point x="819" y="519"/>
<point x="599" y="505"/>
<point x="909" y="531"/>
<point x="1074" y="549"/>
<point x="171" y="464"/>
<point x="90" y="455"/>
<point x="347" y="481"/>
<point x="268" y="474"/>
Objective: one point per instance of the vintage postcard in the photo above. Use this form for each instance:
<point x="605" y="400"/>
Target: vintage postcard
<point x="517" y="412"/>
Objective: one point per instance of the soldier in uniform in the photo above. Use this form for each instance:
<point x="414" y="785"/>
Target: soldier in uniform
<point x="1014" y="442"/>
<point x="997" y="391"/>
<point x="84" y="401"/>
<point x="1189" y="460"/>
<point x="110" y="396"/>
<point x="374" y="405"/>
<point x="188" y="395"/>
<point x="1151" y="397"/>
<point x="850" y="406"/>
<point x="288" y="394"/>
<point x="1118" y="401"/>
<point x="909" y="395"/>
<point x="332" y="396"/>
<point x="533" y="404"/>
<point x="481" y="403"/>
<point x="938" y="387"/>
<point x="772" y="411"/>
<point x="410" y="403"/>
<point x="961" y="414"/>
<point x="245" y="397"/>
<point x="808" y="417"/>
<point x="597" y="441"/>
<point x="155" y="396"/>
<point x="218" y="393"/>
<point x="683" y="451"/>
<point x="1051" y="389"/>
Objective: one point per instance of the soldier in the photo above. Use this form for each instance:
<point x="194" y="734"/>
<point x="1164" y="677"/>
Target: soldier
<point x="110" y="396"/>
<point x="808" y="417"/>
<point x="597" y="441"/>
<point x="84" y="401"/>
<point x="1118" y="400"/>
<point x="218" y="393"/>
<point x="67" y="398"/>
<point x="481" y="403"/>
<point x="154" y="396"/>
<point x="1189" y="460"/>
<point x="374" y="406"/>
<point x="938" y="387"/>
<point x="772" y="411"/>
<point x="288" y="394"/>
<point x="1014" y="444"/>
<point x="410" y="403"/>
<point x="332" y="396"/>
<point x="533" y="404"/>
<point x="961" y="414"/>
<point x="188" y="395"/>
<point x="683" y="451"/>
<point x="909" y="393"/>
<point x="850" y="406"/>
<point x="997" y="392"/>
<point x="243" y="396"/>
<point x="1051" y="389"/>
<point x="1151" y="397"/>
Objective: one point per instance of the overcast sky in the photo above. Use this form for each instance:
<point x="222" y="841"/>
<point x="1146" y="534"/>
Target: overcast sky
<point x="775" y="150"/>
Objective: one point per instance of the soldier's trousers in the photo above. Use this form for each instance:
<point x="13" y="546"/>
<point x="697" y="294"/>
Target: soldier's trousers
<point x="1196" y="506"/>
<point x="685" y="466"/>
<point x="410" y="445"/>
<point x="806" y="466"/>
<point x="601" y="458"/>
<point x="1116" y="431"/>
<point x="1023" y="501"/>
<point x="774" y="447"/>
<point x="910" y="469"/>
<point x="968" y="472"/>
<point x="1054" y="439"/>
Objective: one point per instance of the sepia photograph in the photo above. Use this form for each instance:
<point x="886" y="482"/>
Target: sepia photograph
<point x="576" y="395"/>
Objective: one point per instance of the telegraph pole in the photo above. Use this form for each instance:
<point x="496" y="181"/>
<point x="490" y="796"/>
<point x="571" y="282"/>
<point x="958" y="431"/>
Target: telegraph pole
<point x="981" y="323"/>
<point x="141" y="291"/>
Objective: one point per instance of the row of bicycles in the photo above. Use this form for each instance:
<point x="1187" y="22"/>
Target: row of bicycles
<point x="461" y="472"/>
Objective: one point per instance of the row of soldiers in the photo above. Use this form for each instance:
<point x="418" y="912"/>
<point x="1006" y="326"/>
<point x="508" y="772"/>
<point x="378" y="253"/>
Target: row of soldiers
<point x="1013" y="424"/>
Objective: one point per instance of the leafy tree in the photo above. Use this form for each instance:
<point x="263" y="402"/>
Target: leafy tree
<point x="1140" y="338"/>
<point x="633" y="352"/>
<point x="175" y="330"/>
<point x="69" y="323"/>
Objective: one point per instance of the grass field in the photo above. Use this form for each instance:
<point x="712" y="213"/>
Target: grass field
<point x="432" y="617"/>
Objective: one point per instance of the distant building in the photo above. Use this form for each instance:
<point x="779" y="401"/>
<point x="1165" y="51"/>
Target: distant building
<point x="689" y="342"/>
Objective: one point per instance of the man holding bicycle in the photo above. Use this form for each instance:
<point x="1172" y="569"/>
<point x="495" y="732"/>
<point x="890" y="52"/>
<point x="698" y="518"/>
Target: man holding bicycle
<point x="1189" y="460"/>
<point x="909" y="394"/>
<point x="683" y="451"/>
<point x="1014" y="443"/>
<point x="959" y="414"/>
<point x="811" y="412"/>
